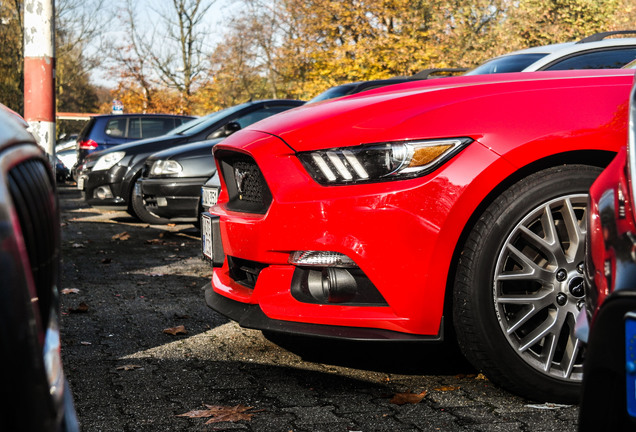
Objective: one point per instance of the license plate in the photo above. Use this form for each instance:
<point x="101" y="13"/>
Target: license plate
<point x="209" y="196"/>
<point x="80" y="183"/>
<point x="206" y="237"/>
<point x="630" y="361"/>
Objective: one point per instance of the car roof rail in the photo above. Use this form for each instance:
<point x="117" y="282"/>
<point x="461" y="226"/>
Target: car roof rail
<point x="600" y="36"/>
<point x="429" y="73"/>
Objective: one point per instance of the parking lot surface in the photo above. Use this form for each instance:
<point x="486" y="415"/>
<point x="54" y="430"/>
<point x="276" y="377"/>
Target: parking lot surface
<point x="142" y="352"/>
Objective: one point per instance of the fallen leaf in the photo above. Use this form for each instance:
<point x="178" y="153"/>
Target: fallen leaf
<point x="447" y="388"/>
<point x="70" y="291"/>
<point x="77" y="245"/>
<point x="155" y="241"/>
<point x="123" y="236"/>
<point x="548" y="406"/>
<point x="81" y="308"/>
<point x="407" y="398"/>
<point x="129" y="367"/>
<point x="222" y="413"/>
<point x="481" y="377"/>
<point x="176" y="330"/>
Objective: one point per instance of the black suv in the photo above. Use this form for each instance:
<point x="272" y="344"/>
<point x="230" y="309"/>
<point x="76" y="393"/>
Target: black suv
<point x="104" y="131"/>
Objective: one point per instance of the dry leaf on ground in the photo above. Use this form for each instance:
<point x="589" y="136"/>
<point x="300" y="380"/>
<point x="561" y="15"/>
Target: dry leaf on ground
<point x="81" y="308"/>
<point x="447" y="388"/>
<point x="123" y="236"/>
<point x="129" y="367"/>
<point x="70" y="291"/>
<point x="407" y="398"/>
<point x="222" y="413"/>
<point x="176" y="330"/>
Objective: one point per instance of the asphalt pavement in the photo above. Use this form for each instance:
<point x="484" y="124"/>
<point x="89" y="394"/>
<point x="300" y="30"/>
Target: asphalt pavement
<point x="142" y="352"/>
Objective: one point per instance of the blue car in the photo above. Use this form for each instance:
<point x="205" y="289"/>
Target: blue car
<point x="107" y="130"/>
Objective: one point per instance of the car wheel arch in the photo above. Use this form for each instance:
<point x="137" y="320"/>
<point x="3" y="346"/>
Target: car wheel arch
<point x="597" y="158"/>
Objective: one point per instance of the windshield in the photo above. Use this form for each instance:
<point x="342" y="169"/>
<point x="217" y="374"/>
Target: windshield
<point x="332" y="93"/>
<point x="197" y="125"/>
<point x="510" y="63"/>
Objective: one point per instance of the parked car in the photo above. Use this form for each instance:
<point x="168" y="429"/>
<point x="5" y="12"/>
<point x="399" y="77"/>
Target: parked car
<point x="608" y="399"/>
<point x="390" y="214"/>
<point x="34" y="391"/>
<point x="598" y="51"/>
<point x="108" y="178"/>
<point x="179" y="183"/>
<point x="171" y="181"/>
<point x="360" y="86"/>
<point x="108" y="130"/>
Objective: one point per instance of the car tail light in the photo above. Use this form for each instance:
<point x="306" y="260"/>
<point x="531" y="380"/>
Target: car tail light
<point x="88" y="144"/>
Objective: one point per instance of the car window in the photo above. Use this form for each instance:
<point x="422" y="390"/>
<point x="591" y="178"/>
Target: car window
<point x="203" y="123"/>
<point x="510" y="63"/>
<point x="134" y="128"/>
<point x="260" y="114"/>
<point x="608" y="59"/>
<point x="332" y="93"/>
<point x="152" y="127"/>
<point x="116" y="127"/>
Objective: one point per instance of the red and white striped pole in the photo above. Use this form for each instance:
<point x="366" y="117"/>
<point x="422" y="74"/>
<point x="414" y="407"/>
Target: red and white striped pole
<point x="39" y="71"/>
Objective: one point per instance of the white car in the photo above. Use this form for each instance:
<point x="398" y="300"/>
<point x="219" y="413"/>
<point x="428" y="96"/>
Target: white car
<point x="598" y="51"/>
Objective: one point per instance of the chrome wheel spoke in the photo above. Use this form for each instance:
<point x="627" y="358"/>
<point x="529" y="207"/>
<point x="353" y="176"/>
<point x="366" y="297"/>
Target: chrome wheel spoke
<point x="535" y="286"/>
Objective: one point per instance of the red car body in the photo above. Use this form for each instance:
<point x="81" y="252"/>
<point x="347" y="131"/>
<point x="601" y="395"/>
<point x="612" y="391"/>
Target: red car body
<point x="608" y="401"/>
<point x="406" y="235"/>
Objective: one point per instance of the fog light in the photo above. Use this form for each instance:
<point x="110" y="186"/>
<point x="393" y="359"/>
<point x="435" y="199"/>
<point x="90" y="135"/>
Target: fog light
<point x="162" y="202"/>
<point x="334" y="285"/>
<point x="331" y="285"/>
<point x="321" y="259"/>
<point x="102" y="192"/>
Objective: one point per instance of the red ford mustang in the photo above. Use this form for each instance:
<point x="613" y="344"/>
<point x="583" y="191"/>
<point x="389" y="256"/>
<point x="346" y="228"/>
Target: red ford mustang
<point x="395" y="213"/>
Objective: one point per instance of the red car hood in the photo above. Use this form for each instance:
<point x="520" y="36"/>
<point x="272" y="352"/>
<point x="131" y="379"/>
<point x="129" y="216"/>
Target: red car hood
<point x="446" y="107"/>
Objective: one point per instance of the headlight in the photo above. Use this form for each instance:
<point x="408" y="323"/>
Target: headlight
<point x="380" y="162"/>
<point x="108" y="160"/>
<point x="165" y="167"/>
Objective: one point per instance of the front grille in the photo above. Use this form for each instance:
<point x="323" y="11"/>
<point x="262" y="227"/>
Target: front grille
<point x="33" y="195"/>
<point x="247" y="190"/>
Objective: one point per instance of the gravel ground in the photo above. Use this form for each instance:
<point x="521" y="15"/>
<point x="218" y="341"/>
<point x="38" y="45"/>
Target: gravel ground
<point x="140" y="348"/>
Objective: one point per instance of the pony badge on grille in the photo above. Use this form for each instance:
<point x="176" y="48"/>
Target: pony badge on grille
<point x="240" y="176"/>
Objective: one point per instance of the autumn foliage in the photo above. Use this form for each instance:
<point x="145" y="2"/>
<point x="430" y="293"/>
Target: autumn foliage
<point x="299" y="48"/>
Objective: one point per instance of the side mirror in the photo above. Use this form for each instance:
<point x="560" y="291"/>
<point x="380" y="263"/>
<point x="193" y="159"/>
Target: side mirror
<point x="231" y="127"/>
<point x="225" y="131"/>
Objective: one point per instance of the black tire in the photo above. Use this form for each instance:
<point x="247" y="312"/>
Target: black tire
<point x="506" y="317"/>
<point x="140" y="211"/>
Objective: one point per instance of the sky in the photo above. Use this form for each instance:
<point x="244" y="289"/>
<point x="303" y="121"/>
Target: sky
<point x="219" y="12"/>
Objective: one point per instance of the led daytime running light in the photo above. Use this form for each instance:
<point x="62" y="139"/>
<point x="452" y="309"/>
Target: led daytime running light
<point x="321" y="259"/>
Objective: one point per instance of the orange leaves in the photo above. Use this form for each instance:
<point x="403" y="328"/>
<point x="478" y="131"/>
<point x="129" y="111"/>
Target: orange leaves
<point x="174" y="331"/>
<point x="218" y="413"/>
<point x="407" y="398"/>
<point x="122" y="236"/>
